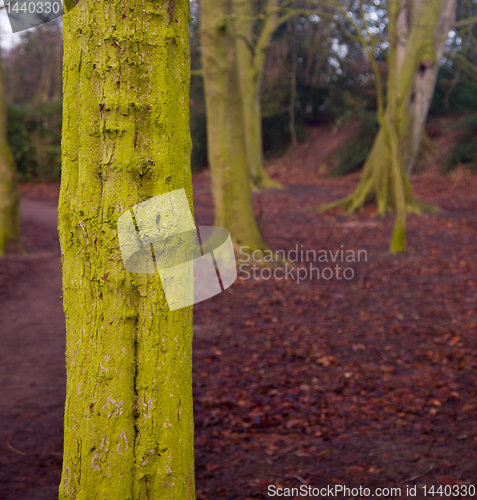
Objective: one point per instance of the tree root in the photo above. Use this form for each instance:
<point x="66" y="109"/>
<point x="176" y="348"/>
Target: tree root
<point x="266" y="184"/>
<point x="356" y="202"/>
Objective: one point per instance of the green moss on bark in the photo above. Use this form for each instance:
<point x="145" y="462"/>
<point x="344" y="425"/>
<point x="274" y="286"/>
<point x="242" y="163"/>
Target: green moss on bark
<point x="225" y="127"/>
<point x="378" y="183"/>
<point x="128" y="414"/>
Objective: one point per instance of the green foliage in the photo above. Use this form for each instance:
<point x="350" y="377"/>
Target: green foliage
<point x="276" y="134"/>
<point x="353" y="155"/>
<point x="465" y="151"/>
<point x="458" y="98"/>
<point x="34" y="135"/>
<point x="198" y="134"/>
<point x="198" y="124"/>
<point x="310" y="103"/>
<point x="21" y="145"/>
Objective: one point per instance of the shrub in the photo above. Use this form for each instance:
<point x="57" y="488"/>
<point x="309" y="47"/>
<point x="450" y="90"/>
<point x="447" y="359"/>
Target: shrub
<point x="276" y="134"/>
<point x="34" y="135"/>
<point x="198" y="134"/>
<point x="353" y="155"/>
<point x="462" y="98"/>
<point x="465" y="151"/>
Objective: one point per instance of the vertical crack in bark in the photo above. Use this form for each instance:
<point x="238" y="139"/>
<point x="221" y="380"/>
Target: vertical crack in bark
<point x="170" y="10"/>
<point x="136" y="409"/>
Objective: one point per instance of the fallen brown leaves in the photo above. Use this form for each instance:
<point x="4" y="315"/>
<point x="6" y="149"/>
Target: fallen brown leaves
<point x="369" y="381"/>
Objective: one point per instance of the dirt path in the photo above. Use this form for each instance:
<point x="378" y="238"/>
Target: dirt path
<point x="32" y="368"/>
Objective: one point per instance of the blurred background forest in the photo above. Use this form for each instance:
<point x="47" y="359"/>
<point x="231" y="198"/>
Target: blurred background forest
<point x="314" y="74"/>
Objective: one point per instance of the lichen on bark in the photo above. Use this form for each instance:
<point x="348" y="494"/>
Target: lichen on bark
<point x="128" y="413"/>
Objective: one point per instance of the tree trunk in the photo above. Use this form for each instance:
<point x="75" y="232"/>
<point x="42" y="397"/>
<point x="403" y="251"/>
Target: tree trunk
<point x="424" y="86"/>
<point x="376" y="182"/>
<point x="390" y="126"/>
<point x="291" y="105"/>
<point x="250" y="59"/>
<point x="225" y="127"/>
<point x="10" y="231"/>
<point x="46" y="72"/>
<point x="128" y="415"/>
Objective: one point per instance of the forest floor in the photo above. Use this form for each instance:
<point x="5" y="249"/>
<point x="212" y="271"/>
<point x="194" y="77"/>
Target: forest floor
<point x="367" y="381"/>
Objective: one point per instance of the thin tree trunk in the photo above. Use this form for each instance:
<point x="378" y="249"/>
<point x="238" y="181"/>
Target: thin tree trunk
<point x="291" y="106"/>
<point x="225" y="127"/>
<point x="128" y="415"/>
<point x="390" y="125"/>
<point x="46" y="72"/>
<point x="10" y="231"/>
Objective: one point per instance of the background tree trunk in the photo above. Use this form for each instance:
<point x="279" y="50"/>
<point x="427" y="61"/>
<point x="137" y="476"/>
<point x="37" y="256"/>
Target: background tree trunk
<point x="250" y="59"/>
<point x="376" y="182"/>
<point x="390" y="126"/>
<point x="291" y="105"/>
<point x="128" y="415"/>
<point x="46" y="75"/>
<point x="225" y="127"/>
<point x="424" y="85"/>
<point x="10" y="230"/>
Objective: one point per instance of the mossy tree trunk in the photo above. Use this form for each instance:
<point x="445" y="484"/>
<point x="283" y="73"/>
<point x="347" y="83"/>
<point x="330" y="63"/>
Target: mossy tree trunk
<point x="10" y="231"/>
<point x="252" y="40"/>
<point x="251" y="58"/>
<point x="225" y="126"/>
<point x="128" y="415"/>
<point x="419" y="53"/>
<point x="390" y="125"/>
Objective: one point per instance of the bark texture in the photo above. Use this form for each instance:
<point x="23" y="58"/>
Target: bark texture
<point x="128" y="415"/>
<point x="225" y="126"/>
<point x="10" y="231"/>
